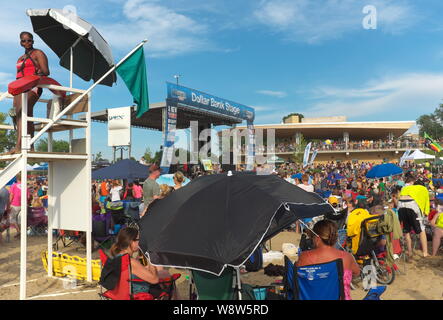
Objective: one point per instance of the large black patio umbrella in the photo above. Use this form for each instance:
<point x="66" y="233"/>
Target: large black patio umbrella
<point x="219" y="220"/>
<point x="62" y="31"/>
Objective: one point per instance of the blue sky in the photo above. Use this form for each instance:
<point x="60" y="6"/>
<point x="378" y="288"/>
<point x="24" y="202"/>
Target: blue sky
<point x="278" y="56"/>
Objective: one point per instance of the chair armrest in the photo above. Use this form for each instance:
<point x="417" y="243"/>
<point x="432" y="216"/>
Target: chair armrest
<point x="170" y="279"/>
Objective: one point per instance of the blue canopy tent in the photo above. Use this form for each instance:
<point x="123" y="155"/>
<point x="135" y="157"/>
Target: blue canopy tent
<point x="126" y="169"/>
<point x="384" y="170"/>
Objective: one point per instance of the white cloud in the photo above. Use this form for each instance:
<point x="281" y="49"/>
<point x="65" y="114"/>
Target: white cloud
<point x="277" y="94"/>
<point x="408" y="94"/>
<point x="6" y="78"/>
<point x="320" y="20"/>
<point x="169" y="32"/>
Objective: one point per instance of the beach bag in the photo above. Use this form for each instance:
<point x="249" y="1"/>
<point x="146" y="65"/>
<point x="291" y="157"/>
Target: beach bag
<point x="255" y="261"/>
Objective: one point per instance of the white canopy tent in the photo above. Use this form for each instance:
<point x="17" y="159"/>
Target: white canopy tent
<point x="419" y="155"/>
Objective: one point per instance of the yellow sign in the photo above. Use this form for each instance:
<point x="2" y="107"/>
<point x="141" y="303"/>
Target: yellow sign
<point x="207" y="164"/>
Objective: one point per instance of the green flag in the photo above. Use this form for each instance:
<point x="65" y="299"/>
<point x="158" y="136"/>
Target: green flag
<point x="133" y="73"/>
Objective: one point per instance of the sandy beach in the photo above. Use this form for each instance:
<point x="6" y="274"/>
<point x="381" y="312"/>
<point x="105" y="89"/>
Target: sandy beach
<point x="420" y="279"/>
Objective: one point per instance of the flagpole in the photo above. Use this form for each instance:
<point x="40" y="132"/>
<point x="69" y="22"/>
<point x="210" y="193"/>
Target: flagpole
<point x="73" y="103"/>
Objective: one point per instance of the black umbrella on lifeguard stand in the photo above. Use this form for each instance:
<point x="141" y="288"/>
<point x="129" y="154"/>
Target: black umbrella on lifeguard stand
<point x="77" y="43"/>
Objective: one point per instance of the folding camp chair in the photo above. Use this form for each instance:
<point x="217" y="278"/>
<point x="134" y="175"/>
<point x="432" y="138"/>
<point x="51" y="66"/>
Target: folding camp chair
<point x="322" y="281"/>
<point x="67" y="238"/>
<point x="314" y="282"/>
<point x="375" y="293"/>
<point x="123" y="289"/>
<point x="37" y="220"/>
<point x="206" y="286"/>
<point x="101" y="226"/>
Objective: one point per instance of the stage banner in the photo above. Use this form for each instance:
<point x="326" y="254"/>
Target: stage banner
<point x="170" y="125"/>
<point x="314" y="154"/>
<point x="119" y="127"/>
<point x="306" y="155"/>
<point x="194" y="99"/>
<point x="250" y="157"/>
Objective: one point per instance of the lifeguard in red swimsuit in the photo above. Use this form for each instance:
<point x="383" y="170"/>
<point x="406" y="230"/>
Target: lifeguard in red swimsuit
<point x="33" y="62"/>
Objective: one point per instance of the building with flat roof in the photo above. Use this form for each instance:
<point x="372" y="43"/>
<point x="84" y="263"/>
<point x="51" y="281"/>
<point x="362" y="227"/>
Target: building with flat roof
<point x="337" y="139"/>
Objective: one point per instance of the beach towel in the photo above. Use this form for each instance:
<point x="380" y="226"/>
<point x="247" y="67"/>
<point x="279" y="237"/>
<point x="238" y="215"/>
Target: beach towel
<point x="390" y="225"/>
<point x="355" y="219"/>
<point x="420" y="195"/>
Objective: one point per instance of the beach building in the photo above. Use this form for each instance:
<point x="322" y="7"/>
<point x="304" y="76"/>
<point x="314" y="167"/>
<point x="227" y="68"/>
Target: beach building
<point x="337" y="139"/>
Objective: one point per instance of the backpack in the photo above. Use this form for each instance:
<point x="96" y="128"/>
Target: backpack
<point x="255" y="261"/>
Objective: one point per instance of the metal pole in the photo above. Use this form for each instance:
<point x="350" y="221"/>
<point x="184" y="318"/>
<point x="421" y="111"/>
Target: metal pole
<point x="50" y="194"/>
<point x="24" y="194"/>
<point x="88" y="208"/>
<point x="71" y="132"/>
<point x="73" y="103"/>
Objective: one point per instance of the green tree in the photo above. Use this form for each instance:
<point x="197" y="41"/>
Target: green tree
<point x="152" y="158"/>
<point x="432" y="123"/>
<point x="300" y="150"/>
<point x="8" y="138"/>
<point x="293" y="114"/>
<point x="57" y="145"/>
<point x="98" y="156"/>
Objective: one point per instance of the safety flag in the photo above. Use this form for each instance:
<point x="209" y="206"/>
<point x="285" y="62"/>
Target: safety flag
<point x="133" y="73"/>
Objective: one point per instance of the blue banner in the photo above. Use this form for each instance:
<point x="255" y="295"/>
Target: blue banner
<point x="314" y="154"/>
<point x="194" y="98"/>
<point x="306" y="155"/>
<point x="170" y="126"/>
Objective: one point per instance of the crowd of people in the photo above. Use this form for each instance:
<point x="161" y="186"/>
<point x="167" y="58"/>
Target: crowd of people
<point x="10" y="202"/>
<point x="348" y="182"/>
<point x="412" y="197"/>
<point x="289" y="145"/>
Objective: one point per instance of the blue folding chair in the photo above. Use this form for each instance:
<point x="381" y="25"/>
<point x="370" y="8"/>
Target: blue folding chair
<point x="322" y="281"/>
<point x="375" y="293"/>
<point x="314" y="282"/>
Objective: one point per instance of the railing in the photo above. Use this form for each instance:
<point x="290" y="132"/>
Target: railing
<point x="342" y="147"/>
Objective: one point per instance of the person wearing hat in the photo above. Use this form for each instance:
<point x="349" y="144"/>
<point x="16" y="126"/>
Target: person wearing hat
<point x="151" y="189"/>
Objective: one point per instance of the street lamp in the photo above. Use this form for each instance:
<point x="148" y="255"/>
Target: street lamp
<point x="177" y="76"/>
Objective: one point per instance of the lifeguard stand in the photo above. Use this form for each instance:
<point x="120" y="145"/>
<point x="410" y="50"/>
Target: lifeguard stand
<point x="69" y="174"/>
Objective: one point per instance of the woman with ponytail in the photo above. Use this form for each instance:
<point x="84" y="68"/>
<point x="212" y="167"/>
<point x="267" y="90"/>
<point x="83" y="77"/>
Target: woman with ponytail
<point x="324" y="238"/>
<point x="127" y="243"/>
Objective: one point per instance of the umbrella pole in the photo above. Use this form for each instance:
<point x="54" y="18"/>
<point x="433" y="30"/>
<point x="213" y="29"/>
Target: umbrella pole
<point x="238" y="283"/>
<point x="71" y="67"/>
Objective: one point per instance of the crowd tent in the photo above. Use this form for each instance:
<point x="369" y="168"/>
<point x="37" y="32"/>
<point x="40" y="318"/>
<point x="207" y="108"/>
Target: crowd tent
<point x="126" y="169"/>
<point x="419" y="155"/>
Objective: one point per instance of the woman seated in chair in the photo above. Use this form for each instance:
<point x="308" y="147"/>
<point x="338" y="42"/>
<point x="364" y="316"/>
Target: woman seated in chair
<point x="127" y="243"/>
<point x="324" y="239"/>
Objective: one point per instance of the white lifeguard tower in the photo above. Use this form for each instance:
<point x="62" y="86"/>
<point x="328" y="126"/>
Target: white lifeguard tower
<point x="69" y="174"/>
